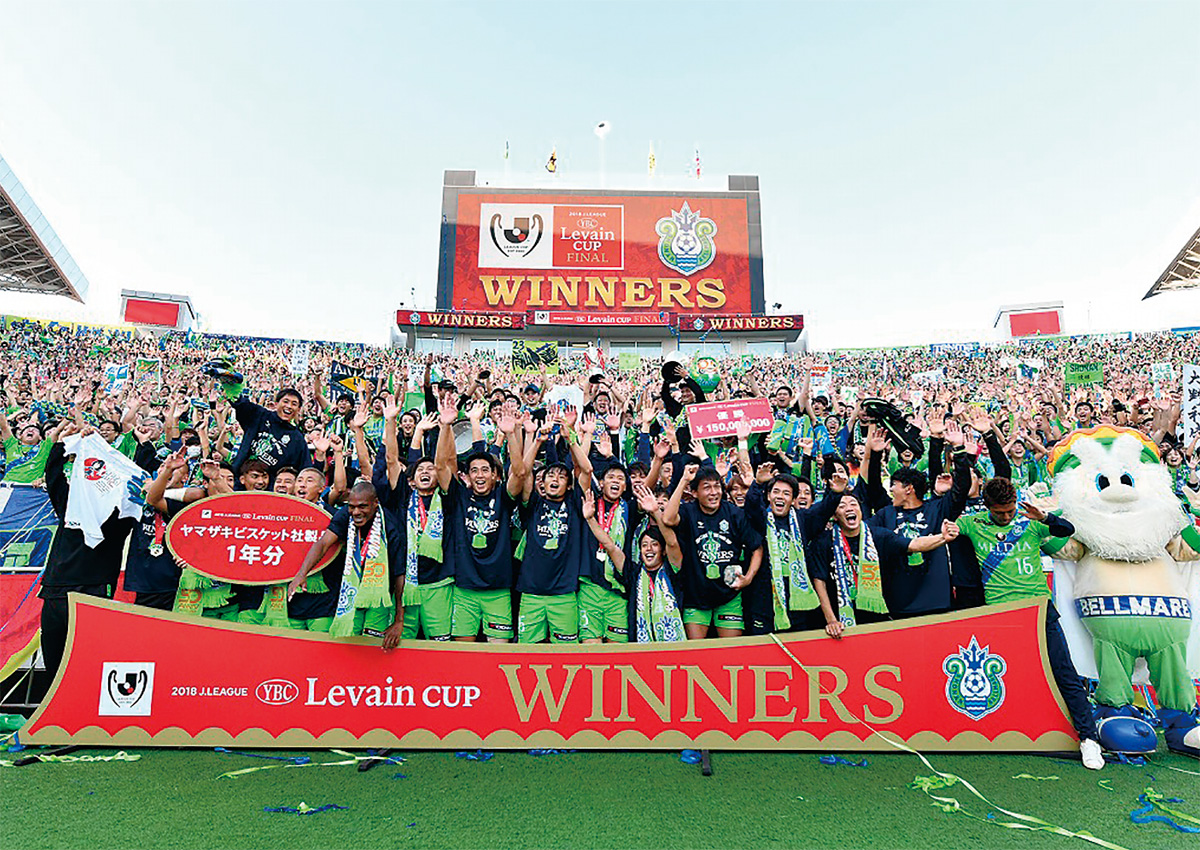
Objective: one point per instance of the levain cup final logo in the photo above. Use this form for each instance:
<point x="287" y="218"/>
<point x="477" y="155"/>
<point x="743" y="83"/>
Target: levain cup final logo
<point x="521" y="238"/>
<point x="686" y="241"/>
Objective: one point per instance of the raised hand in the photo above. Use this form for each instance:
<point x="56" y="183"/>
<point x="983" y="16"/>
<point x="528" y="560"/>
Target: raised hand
<point x="689" y="472"/>
<point x="764" y="473"/>
<point x="742" y="429"/>
<point x="447" y="413"/>
<point x="588" y="507"/>
<point x="646" y="499"/>
<point x="954" y="434"/>
<point x="1032" y="511"/>
<point x="360" y="416"/>
<point x="391" y="409"/>
<point x="662" y="448"/>
<point x="839" y="482"/>
<point x="507" y="423"/>
<point x="430" y="421"/>
<point x="950" y="530"/>
<point x="475" y="412"/>
<point x="587" y="423"/>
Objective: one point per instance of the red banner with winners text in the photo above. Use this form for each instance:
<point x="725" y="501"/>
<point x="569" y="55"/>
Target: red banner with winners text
<point x="974" y="680"/>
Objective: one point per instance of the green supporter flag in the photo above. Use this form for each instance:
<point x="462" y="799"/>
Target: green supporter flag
<point x="414" y="401"/>
<point x="629" y="361"/>
<point x="1083" y="374"/>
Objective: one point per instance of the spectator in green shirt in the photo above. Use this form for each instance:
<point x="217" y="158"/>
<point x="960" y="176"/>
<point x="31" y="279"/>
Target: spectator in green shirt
<point x="25" y="453"/>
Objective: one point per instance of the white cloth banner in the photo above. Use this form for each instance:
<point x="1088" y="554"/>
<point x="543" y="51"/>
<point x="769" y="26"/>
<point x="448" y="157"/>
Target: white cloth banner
<point x="299" y="361"/>
<point x="102" y="480"/>
<point x="1190" y="419"/>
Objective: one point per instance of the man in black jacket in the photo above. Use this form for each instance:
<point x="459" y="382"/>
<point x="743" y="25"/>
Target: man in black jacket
<point x="72" y="566"/>
<point x="919" y="583"/>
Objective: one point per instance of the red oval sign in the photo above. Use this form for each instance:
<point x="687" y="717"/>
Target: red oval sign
<point x="248" y="538"/>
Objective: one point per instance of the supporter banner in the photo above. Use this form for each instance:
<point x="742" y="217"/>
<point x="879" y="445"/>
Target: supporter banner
<point x="930" y="377"/>
<point x="1083" y="374"/>
<point x="531" y="355"/>
<point x="1162" y="376"/>
<point x="20" y="615"/>
<point x="566" y="396"/>
<point x="557" y="317"/>
<point x="964" y="681"/>
<point x="820" y="378"/>
<point x="300" y="355"/>
<point x="350" y="380"/>
<point x="115" y="376"/>
<point x="720" y="418"/>
<point x="629" y="362"/>
<point x="707" y="322"/>
<point x="1190" y="419"/>
<point x="247" y="538"/>
<point x="954" y="348"/>
<point x="617" y="252"/>
<point x="27" y="526"/>
<point x="146" y="371"/>
<point x="435" y="319"/>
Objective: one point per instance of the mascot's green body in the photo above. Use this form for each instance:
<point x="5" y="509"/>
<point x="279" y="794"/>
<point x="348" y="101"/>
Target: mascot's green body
<point x="1132" y="542"/>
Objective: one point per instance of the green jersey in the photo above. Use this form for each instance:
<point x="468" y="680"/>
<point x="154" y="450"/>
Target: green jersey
<point x="25" y="464"/>
<point x="1010" y="558"/>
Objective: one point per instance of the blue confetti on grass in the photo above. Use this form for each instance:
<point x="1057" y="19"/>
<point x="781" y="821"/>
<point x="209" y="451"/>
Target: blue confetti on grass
<point x="478" y="755"/>
<point x="288" y="810"/>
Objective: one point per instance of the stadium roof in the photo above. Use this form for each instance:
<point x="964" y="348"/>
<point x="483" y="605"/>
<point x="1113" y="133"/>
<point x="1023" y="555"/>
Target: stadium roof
<point x="1183" y="272"/>
<point x="32" y="257"/>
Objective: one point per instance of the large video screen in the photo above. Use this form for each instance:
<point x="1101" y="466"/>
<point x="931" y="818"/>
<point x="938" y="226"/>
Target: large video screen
<point x="600" y="253"/>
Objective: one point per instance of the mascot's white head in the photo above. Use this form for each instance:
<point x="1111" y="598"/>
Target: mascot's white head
<point x="1109" y="484"/>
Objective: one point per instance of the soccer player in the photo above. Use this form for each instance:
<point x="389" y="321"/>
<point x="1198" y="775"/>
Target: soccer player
<point x="418" y="499"/>
<point x="479" y="511"/>
<point x="721" y="553"/>
<point x="846" y="562"/>
<point x="370" y="597"/>
<point x="653" y="611"/>
<point x="1008" y="549"/>
<point x="549" y="552"/>
<point x="917" y="583"/>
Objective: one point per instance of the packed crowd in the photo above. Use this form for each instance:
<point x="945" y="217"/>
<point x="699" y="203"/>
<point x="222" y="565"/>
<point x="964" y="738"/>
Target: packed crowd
<point x="469" y="499"/>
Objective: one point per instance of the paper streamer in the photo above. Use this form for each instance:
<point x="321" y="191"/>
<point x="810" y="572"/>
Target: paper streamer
<point x="945" y="780"/>
<point x="1154" y="800"/>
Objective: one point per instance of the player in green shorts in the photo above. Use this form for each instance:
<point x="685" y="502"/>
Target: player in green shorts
<point x="417" y="497"/>
<point x="480" y="512"/>
<point x="549" y="553"/>
<point x="1008" y="549"/>
<point x="369" y="598"/>
<point x="721" y="553"/>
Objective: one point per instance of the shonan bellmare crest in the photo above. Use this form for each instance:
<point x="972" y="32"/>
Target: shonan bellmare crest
<point x="686" y="240"/>
<point x="975" y="680"/>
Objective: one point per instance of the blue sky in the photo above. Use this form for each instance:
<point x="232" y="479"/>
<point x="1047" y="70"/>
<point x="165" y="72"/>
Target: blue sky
<point x="920" y="163"/>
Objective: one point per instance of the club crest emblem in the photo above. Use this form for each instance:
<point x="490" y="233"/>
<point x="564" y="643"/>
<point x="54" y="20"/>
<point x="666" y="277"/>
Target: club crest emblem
<point x="974" y="680"/>
<point x="685" y="241"/>
<point x="521" y="238"/>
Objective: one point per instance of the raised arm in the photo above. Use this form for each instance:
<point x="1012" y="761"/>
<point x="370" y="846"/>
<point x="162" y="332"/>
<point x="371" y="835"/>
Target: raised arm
<point x="671" y="511"/>
<point x="446" y="457"/>
<point x="602" y="537"/>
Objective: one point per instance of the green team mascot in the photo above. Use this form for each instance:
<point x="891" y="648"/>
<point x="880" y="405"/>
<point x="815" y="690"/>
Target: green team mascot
<point x="1134" y="580"/>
